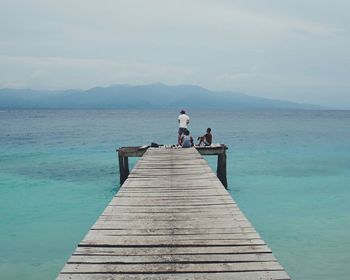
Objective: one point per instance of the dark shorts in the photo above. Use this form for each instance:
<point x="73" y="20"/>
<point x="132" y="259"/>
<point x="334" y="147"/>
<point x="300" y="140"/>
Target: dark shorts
<point x="182" y="130"/>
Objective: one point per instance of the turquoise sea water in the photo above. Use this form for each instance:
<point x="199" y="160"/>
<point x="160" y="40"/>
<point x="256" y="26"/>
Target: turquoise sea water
<point x="288" y="170"/>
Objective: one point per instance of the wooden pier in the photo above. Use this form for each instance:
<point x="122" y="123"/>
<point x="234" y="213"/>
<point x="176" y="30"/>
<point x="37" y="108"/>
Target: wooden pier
<point x="172" y="219"/>
<point x="218" y="150"/>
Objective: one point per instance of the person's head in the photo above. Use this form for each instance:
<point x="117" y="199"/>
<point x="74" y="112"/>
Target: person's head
<point x="187" y="132"/>
<point x="208" y="130"/>
<point x="183" y="112"/>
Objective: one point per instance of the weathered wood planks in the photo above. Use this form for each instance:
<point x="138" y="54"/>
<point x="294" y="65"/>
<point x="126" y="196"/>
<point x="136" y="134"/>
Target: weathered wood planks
<point x="172" y="219"/>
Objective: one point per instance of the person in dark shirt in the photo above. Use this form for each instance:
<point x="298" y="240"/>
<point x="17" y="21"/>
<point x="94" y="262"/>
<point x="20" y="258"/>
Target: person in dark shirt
<point x="206" y="139"/>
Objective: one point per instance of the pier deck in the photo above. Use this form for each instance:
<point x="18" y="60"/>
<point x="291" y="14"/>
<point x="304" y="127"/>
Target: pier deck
<point x="172" y="219"/>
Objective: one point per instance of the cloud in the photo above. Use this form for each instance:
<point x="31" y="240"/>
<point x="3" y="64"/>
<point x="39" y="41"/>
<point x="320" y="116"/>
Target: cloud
<point x="62" y="73"/>
<point x="265" y="46"/>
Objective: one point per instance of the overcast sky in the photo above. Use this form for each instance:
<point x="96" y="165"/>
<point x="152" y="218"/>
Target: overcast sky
<point x="295" y="50"/>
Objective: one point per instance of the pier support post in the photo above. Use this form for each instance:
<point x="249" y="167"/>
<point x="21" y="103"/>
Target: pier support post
<point x="123" y="166"/>
<point x="221" y="168"/>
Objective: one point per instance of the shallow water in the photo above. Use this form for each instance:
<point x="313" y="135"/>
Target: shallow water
<point x="289" y="172"/>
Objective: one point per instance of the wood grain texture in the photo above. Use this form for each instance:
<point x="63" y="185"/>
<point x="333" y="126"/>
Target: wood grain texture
<point x="172" y="219"/>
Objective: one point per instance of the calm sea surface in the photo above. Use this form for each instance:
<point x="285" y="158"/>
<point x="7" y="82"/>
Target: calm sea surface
<point x="288" y="171"/>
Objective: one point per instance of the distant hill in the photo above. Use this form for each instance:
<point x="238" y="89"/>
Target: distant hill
<point x="153" y="96"/>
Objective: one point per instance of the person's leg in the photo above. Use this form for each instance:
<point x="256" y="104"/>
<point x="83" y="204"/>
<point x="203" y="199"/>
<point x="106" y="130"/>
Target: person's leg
<point x="181" y="131"/>
<point x="200" y="141"/>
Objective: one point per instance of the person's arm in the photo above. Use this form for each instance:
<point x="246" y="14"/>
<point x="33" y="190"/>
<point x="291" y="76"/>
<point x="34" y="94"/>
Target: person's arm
<point x="191" y="140"/>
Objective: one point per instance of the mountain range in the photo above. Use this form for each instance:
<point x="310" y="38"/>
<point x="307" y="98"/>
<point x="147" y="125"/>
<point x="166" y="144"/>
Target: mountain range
<point x="152" y="96"/>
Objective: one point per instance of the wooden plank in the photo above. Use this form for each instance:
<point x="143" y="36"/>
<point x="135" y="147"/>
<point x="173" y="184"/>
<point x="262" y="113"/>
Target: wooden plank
<point x="172" y="200"/>
<point x="178" y="231"/>
<point x="165" y="224"/>
<point x="170" y="210"/>
<point x="247" y="275"/>
<point x="172" y="267"/>
<point x="146" y="251"/>
<point x="184" y="208"/>
<point x="111" y="235"/>
<point x="207" y="258"/>
<point x="178" y="219"/>
<point x="115" y="212"/>
<point x="137" y="242"/>
<point x="168" y="192"/>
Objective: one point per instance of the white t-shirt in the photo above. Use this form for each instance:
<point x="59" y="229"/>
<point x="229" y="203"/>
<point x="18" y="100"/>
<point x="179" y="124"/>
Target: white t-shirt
<point x="183" y="118"/>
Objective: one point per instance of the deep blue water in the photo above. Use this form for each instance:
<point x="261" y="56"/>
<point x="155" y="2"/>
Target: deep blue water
<point x="289" y="171"/>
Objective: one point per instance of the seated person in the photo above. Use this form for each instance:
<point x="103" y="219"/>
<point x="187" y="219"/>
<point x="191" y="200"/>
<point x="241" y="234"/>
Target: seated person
<point x="186" y="140"/>
<point x="206" y="139"/>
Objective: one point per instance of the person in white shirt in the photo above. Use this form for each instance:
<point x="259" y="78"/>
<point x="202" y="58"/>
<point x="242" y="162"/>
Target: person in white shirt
<point x="184" y="120"/>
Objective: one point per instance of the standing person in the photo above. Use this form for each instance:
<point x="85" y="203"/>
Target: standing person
<point x="186" y="140"/>
<point x="184" y="120"/>
<point x="206" y="139"/>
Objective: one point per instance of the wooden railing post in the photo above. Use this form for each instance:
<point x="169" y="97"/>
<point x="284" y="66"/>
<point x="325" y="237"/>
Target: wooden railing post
<point x="221" y="168"/>
<point x="123" y="166"/>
